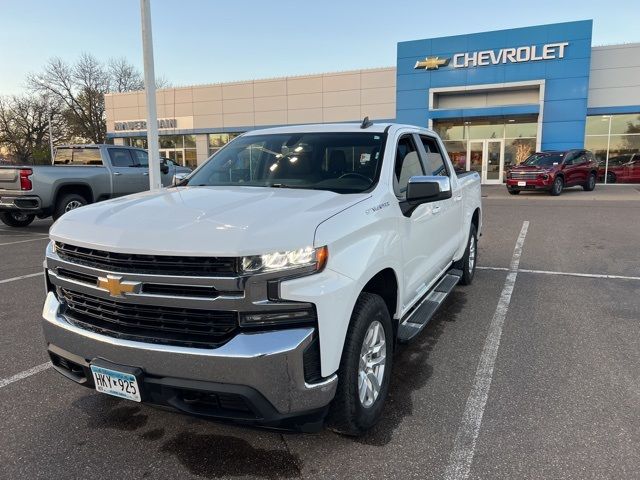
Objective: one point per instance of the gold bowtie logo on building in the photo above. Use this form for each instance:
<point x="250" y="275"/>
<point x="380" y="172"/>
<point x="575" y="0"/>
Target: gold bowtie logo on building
<point x="431" y="63"/>
<point x="116" y="287"/>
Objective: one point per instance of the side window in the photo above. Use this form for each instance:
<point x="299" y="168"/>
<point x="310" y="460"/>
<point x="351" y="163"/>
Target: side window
<point x="407" y="164"/>
<point x="142" y="157"/>
<point x="435" y="161"/>
<point x="120" y="157"/>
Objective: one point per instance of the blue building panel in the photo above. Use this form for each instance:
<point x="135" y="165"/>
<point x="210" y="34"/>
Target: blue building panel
<point x="566" y="79"/>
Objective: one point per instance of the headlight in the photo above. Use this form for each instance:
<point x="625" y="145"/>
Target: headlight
<point x="272" y="262"/>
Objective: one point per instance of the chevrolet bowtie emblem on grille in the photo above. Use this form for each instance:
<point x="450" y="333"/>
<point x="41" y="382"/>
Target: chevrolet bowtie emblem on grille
<point x="116" y="287"/>
<point x="431" y="63"/>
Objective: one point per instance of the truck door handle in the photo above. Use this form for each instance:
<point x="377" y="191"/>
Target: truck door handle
<point x="457" y="198"/>
<point x="116" y="174"/>
<point x="146" y="174"/>
<point x="435" y="210"/>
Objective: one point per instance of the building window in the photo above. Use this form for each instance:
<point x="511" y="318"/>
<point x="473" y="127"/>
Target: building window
<point x="179" y="148"/>
<point x="615" y="142"/>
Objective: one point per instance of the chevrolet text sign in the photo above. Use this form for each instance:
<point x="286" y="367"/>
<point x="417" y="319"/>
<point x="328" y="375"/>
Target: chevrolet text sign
<point x="529" y="53"/>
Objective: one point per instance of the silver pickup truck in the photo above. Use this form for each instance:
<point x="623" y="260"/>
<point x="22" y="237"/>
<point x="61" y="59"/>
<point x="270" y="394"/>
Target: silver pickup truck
<point x="81" y="174"/>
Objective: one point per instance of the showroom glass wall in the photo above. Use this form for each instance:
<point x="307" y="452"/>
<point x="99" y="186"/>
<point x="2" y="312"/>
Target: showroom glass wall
<point x="519" y="135"/>
<point x="219" y="140"/>
<point x="615" y="141"/>
<point x="179" y="148"/>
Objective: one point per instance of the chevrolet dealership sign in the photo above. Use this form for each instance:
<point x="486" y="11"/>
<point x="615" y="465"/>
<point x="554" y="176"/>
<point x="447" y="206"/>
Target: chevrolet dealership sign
<point x="529" y="53"/>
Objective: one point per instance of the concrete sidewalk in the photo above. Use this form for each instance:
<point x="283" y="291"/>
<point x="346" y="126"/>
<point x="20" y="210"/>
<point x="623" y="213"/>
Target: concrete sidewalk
<point x="601" y="193"/>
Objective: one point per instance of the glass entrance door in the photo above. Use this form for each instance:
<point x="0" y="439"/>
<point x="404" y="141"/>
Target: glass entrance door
<point x="487" y="158"/>
<point x="176" y="155"/>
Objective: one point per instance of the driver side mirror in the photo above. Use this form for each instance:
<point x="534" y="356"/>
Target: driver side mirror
<point x="426" y="189"/>
<point x="164" y="168"/>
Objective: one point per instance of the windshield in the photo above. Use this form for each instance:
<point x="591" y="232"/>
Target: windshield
<point x="339" y="162"/>
<point x="544" y="159"/>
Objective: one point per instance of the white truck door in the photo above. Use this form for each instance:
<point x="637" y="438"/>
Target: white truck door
<point x="419" y="244"/>
<point x="449" y="213"/>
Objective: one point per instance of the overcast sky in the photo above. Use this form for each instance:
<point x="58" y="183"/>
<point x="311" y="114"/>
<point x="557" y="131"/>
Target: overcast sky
<point x="200" y="41"/>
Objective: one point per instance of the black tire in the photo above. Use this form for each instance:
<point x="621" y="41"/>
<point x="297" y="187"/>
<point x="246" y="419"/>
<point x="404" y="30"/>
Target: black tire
<point x="591" y="183"/>
<point x="347" y="414"/>
<point x="469" y="267"/>
<point x="16" y="219"/>
<point x="558" y="185"/>
<point x="514" y="192"/>
<point x="611" y="177"/>
<point x="68" y="202"/>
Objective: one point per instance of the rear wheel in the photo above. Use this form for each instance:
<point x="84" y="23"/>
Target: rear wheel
<point x="467" y="264"/>
<point x="591" y="183"/>
<point x="365" y="368"/>
<point x="558" y="185"/>
<point x="16" y="219"/>
<point x="611" y="177"/>
<point x="68" y="202"/>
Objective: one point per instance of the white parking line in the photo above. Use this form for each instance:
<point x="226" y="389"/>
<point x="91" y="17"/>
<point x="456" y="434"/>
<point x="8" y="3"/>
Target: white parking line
<point x="27" y="373"/>
<point x="24" y="241"/>
<point x="464" y="447"/>
<point x="7" y="280"/>
<point x="568" y="274"/>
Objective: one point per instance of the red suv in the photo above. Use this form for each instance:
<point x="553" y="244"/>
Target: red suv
<point x="622" y="169"/>
<point x="552" y="171"/>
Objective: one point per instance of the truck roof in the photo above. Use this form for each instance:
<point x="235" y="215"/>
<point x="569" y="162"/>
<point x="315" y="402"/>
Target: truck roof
<point x="331" y="127"/>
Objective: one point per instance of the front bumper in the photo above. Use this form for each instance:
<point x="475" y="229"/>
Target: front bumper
<point x="530" y="184"/>
<point x="20" y="203"/>
<point x="263" y="371"/>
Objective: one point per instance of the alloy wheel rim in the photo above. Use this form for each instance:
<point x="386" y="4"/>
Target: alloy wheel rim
<point x="72" y="205"/>
<point x="20" y="217"/>
<point x="592" y="181"/>
<point x="472" y="253"/>
<point x="373" y="358"/>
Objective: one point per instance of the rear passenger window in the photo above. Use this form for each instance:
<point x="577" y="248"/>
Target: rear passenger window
<point x="435" y="161"/>
<point x="120" y="157"/>
<point x="407" y="164"/>
<point x="142" y="157"/>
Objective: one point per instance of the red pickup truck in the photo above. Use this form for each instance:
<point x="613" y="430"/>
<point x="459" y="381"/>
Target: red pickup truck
<point x="553" y="171"/>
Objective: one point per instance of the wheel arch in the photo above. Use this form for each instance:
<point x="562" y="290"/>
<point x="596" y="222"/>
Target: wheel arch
<point x="82" y="189"/>
<point x="385" y="284"/>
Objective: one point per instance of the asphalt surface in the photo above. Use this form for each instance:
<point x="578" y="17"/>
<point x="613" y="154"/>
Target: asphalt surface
<point x="564" y="401"/>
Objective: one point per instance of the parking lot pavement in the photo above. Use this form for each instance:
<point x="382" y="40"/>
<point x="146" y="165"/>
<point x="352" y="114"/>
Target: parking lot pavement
<point x="563" y="395"/>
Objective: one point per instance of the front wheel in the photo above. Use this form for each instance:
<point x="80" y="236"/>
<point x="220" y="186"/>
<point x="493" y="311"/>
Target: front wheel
<point x="591" y="183"/>
<point x="16" y="219"/>
<point x="467" y="264"/>
<point x="556" y="188"/>
<point x="365" y="368"/>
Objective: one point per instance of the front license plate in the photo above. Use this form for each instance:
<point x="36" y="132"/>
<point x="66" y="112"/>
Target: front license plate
<point x="118" y="384"/>
<point x="522" y="184"/>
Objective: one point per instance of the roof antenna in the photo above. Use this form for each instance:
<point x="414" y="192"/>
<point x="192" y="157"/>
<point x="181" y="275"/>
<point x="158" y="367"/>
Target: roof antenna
<point x="366" y="123"/>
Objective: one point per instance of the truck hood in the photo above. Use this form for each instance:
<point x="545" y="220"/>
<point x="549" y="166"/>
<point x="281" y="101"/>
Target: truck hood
<point x="203" y="221"/>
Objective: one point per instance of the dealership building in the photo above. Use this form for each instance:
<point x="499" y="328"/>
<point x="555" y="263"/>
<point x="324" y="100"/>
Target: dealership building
<point x="493" y="97"/>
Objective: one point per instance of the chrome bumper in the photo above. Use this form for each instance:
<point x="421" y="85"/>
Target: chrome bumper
<point x="26" y="203"/>
<point x="270" y="362"/>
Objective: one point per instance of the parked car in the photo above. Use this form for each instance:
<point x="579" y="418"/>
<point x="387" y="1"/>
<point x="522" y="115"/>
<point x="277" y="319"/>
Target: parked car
<point x="81" y="174"/>
<point x="622" y="169"/>
<point x="272" y="287"/>
<point x="554" y="171"/>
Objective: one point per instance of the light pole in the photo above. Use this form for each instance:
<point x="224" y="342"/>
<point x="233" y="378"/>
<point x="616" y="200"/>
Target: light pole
<point x="155" y="181"/>
<point x="50" y="136"/>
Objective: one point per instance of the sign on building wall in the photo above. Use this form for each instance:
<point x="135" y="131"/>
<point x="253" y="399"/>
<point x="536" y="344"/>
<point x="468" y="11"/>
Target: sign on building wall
<point x="527" y="53"/>
<point x="134" y="125"/>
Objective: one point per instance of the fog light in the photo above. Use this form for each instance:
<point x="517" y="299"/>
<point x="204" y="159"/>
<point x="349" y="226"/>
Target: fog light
<point x="277" y="318"/>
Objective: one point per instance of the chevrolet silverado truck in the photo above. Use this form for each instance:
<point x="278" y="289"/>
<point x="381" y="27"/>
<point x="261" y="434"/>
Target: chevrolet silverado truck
<point x="554" y="171"/>
<point x="272" y="285"/>
<point x="81" y="174"/>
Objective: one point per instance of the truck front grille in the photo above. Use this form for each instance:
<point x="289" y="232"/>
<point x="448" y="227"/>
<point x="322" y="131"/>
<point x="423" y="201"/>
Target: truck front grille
<point x="525" y="175"/>
<point x="148" y="264"/>
<point x="146" y="323"/>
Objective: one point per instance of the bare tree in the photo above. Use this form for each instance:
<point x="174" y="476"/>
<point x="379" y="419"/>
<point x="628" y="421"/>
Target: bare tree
<point x="24" y="127"/>
<point x="124" y="76"/>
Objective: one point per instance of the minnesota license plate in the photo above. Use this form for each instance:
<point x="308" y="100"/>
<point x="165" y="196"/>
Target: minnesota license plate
<point x="118" y="384"/>
<point x="522" y="184"/>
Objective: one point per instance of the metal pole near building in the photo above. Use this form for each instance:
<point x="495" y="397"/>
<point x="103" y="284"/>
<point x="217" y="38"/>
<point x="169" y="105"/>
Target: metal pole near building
<point x="155" y="181"/>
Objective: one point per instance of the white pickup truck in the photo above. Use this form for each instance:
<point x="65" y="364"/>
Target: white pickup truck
<point x="272" y="285"/>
